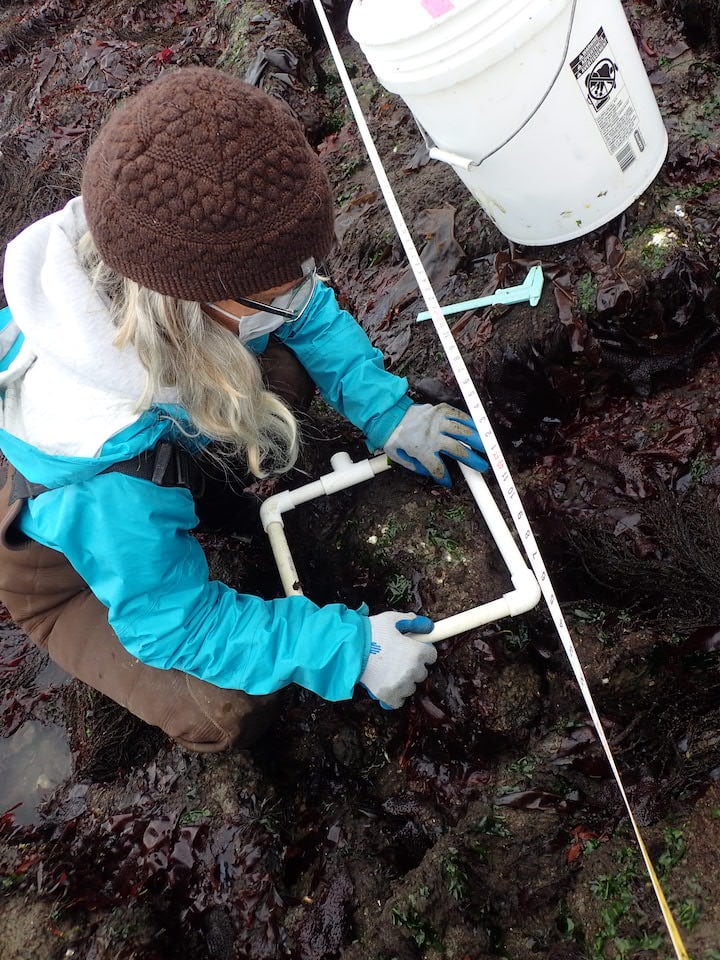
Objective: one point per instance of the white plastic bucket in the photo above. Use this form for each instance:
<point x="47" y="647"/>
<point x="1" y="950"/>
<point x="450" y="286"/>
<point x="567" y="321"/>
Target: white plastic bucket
<point x="474" y="71"/>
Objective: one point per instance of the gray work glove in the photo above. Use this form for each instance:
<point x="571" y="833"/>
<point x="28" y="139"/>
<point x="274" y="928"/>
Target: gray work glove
<point x="397" y="661"/>
<point x="427" y="432"/>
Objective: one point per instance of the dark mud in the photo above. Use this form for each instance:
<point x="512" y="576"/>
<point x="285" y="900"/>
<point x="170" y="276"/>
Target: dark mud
<point x="480" y="821"/>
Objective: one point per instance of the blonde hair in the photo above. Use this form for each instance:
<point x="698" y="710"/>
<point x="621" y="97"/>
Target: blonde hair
<point x="217" y="378"/>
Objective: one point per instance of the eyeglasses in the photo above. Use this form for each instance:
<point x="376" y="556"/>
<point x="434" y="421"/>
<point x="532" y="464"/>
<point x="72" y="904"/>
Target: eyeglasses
<point x="290" y="304"/>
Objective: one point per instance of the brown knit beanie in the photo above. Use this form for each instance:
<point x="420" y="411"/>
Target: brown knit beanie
<point x="204" y="188"/>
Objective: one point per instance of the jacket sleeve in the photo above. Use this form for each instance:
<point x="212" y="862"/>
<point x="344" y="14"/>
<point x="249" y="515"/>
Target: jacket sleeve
<point x="349" y="371"/>
<point x="129" y="539"/>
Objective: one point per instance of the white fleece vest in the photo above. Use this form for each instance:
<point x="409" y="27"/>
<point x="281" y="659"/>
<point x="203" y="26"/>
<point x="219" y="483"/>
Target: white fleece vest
<point x="70" y="389"/>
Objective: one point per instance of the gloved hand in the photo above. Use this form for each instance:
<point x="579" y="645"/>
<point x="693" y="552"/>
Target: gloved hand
<point x="397" y="662"/>
<point x="426" y="432"/>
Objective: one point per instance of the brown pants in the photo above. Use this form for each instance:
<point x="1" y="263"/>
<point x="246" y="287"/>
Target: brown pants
<point x="55" y="607"/>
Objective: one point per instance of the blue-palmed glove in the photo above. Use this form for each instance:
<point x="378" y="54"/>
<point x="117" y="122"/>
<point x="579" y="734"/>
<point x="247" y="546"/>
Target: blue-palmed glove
<point x="397" y="661"/>
<point x="427" y="433"/>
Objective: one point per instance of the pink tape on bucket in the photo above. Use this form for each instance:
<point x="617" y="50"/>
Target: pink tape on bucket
<point x="436" y="8"/>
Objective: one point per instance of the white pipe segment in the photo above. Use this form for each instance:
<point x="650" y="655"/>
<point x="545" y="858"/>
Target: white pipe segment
<point x="283" y="558"/>
<point x="511" y="554"/>
<point x="475" y="617"/>
<point x="346" y="473"/>
<point x="453" y="159"/>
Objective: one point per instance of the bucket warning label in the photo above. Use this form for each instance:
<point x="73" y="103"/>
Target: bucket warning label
<point x="602" y="85"/>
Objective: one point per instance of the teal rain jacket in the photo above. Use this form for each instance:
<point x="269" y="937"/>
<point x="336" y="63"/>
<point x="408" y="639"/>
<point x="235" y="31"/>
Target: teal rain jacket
<point x="130" y="539"/>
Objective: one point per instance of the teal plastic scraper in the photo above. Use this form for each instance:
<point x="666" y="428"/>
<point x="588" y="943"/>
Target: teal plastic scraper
<point x="527" y="291"/>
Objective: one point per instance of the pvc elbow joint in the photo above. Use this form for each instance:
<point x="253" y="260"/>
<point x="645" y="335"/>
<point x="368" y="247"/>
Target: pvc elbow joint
<point x="526" y="594"/>
<point x="274" y="507"/>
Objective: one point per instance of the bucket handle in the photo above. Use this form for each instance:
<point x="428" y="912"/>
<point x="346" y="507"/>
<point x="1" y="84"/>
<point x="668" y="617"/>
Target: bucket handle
<point x="465" y="163"/>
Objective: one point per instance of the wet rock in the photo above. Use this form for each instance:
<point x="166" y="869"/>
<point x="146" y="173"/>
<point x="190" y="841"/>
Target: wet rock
<point x="219" y="934"/>
<point x="25" y="924"/>
<point x="303" y="14"/>
<point x="415" y="826"/>
<point x="266" y="49"/>
<point x="459" y="943"/>
<point x="434" y="908"/>
<point x="228" y="779"/>
<point x="566" y="951"/>
<point x="325" y="926"/>
<point x="633" y="501"/>
<point x="346" y="748"/>
<point x="658" y="308"/>
<point x="515" y="700"/>
<point x="126" y="932"/>
<point x="701" y="19"/>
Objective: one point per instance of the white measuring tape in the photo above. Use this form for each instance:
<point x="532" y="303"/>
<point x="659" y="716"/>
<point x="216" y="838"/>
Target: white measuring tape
<point x="497" y="462"/>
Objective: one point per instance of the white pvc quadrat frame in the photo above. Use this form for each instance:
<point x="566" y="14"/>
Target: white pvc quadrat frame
<point x="346" y="473"/>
